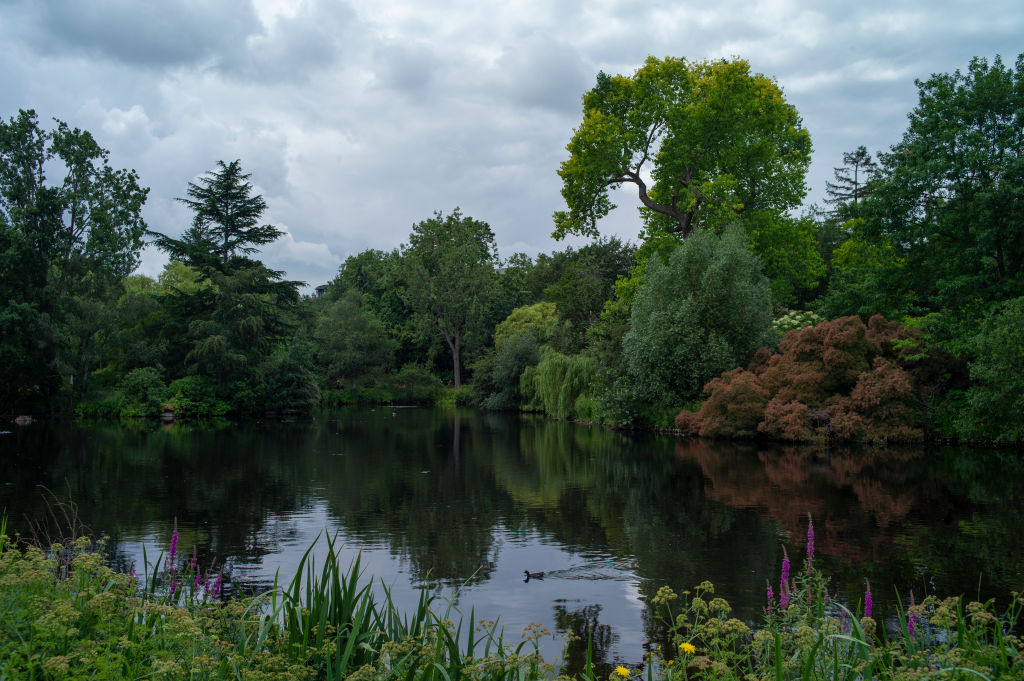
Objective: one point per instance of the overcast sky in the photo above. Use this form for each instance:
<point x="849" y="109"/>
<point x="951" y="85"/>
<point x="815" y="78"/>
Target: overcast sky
<point x="357" y="120"/>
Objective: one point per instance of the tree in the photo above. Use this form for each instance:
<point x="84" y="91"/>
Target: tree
<point x="451" y="269"/>
<point x="586" y="282"/>
<point x="852" y="180"/>
<point x="60" y="245"/>
<point x="226" y="221"/>
<point x="950" y="196"/>
<point x="706" y="311"/>
<point x="238" y="313"/>
<point x="350" y="341"/>
<point x="718" y="141"/>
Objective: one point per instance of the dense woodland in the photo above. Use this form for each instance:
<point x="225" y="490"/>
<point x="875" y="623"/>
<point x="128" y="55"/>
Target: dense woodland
<point x="893" y="312"/>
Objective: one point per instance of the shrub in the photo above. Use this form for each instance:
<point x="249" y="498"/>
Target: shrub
<point x="415" y="384"/>
<point x="194" y="396"/>
<point x="995" y="400"/>
<point x="735" y="407"/>
<point x="842" y="377"/>
<point x="144" y="392"/>
<point x="705" y="311"/>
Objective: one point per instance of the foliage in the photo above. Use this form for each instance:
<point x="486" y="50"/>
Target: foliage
<point x="63" y="247"/>
<point x="704" y="312"/>
<point x="719" y="142"/>
<point x="948" y="198"/>
<point x="496" y="375"/>
<point x="585" y="284"/>
<point x="539" y="320"/>
<point x="995" y="400"/>
<point x="450" y="264"/>
<point x="144" y="392"/>
<point x="195" y="396"/>
<point x="226" y="219"/>
<point x="350" y="341"/>
<point x="852" y="180"/>
<point x="327" y="624"/>
<point x="839" y="379"/>
<point x="558" y="384"/>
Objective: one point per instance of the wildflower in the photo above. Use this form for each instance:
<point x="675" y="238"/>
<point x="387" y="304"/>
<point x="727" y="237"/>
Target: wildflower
<point x="771" y="596"/>
<point x="810" y="544"/>
<point x="687" y="648"/>
<point x="216" y="584"/>
<point x="868" y="603"/>
<point x="132" y="575"/>
<point x="174" y="545"/>
<point x="174" y="585"/>
<point x="622" y="671"/>
<point x="784" y="581"/>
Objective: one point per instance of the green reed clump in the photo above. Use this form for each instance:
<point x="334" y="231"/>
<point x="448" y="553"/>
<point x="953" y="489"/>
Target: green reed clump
<point x="334" y="623"/>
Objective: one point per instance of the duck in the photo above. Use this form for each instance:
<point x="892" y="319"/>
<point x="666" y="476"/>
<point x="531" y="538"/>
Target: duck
<point x="532" y="575"/>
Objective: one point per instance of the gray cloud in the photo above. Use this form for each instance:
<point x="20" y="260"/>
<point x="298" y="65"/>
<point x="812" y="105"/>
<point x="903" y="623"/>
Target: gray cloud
<point x="171" y="32"/>
<point x="357" y="121"/>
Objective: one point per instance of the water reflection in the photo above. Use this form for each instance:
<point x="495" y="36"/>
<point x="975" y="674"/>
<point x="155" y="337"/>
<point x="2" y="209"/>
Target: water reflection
<point x="463" y="502"/>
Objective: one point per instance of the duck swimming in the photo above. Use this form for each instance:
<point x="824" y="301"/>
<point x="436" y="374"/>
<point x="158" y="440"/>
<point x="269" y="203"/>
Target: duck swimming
<point x="532" y="575"/>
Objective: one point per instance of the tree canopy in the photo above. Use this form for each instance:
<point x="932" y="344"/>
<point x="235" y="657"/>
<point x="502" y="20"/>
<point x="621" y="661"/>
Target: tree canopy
<point x="451" y="269"/>
<point x="717" y="141"/>
<point x="226" y="221"/>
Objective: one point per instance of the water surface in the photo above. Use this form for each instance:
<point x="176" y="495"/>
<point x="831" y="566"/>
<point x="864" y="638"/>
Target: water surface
<point x="463" y="502"/>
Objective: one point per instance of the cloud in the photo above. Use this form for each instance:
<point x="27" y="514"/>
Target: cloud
<point x="171" y="32"/>
<point x="358" y="120"/>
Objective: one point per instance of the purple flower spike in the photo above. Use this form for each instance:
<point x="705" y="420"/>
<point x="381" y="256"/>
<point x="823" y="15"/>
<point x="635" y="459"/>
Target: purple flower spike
<point x="174" y="545"/>
<point x="868" y="603"/>
<point x="216" y="585"/>
<point x="912" y="619"/>
<point x="784" y="581"/>
<point x="771" y="596"/>
<point x="174" y="585"/>
<point x="810" y="543"/>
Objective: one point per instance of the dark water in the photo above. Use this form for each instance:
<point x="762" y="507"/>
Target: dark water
<point x="463" y="502"/>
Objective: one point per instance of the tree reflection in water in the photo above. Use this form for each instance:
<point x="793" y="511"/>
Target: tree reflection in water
<point x="462" y="498"/>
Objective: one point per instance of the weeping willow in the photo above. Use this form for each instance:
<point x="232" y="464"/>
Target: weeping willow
<point x="556" y="385"/>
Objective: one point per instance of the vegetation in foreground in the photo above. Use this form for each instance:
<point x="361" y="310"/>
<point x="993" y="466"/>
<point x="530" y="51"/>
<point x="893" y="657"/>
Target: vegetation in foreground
<point x="67" y="616"/>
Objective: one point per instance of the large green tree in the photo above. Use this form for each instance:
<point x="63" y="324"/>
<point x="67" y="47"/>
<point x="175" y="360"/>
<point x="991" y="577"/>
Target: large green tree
<point x="235" y="320"/>
<point x="451" y="268"/>
<point x="717" y="141"/>
<point x="64" y="246"/>
<point x="950" y="198"/>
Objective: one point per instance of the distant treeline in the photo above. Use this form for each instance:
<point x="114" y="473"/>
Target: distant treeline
<point x="893" y="312"/>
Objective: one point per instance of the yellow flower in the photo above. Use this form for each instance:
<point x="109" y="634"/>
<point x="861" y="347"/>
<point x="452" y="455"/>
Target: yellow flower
<point x="622" y="671"/>
<point x="687" y="648"/>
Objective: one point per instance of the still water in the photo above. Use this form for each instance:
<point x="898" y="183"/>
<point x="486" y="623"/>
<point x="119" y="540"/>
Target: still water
<point x="463" y="502"/>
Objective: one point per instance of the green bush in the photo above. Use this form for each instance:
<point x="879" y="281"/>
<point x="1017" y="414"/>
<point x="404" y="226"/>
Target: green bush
<point x="144" y="392"/>
<point x="496" y="375"/>
<point x="703" y="312"/>
<point x="195" y="396"/>
<point x="415" y="384"/>
<point x="994" y="407"/>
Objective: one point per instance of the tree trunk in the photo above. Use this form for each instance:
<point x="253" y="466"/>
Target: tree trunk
<point x="457" y="358"/>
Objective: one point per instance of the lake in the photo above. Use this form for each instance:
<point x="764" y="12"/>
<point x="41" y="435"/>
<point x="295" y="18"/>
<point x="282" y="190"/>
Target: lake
<point x="462" y="502"/>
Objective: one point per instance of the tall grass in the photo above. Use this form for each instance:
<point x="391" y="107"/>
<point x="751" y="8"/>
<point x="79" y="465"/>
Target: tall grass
<point x="332" y="620"/>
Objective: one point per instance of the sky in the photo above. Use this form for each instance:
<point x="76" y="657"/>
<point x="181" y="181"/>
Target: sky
<point x="358" y="120"/>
